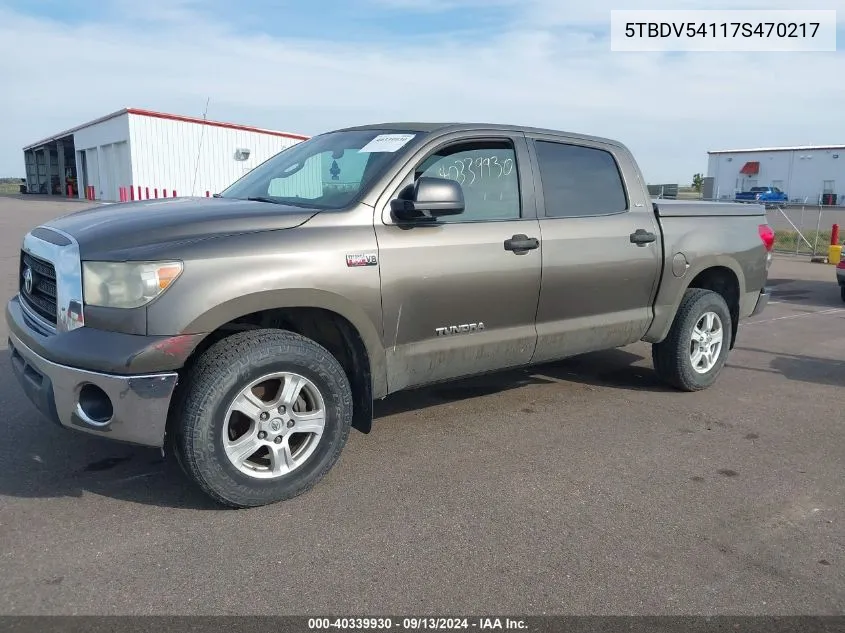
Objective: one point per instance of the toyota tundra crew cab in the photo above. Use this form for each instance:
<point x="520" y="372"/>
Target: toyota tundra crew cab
<point x="247" y="333"/>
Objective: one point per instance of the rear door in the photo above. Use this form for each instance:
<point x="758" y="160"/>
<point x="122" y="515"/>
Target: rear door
<point x="456" y="299"/>
<point x="602" y="250"/>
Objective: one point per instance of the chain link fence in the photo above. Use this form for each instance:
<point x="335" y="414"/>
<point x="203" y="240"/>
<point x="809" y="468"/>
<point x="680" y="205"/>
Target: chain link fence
<point x="805" y="229"/>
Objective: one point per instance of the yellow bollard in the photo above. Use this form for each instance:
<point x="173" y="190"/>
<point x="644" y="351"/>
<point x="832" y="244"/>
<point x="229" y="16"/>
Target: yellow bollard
<point x="834" y="254"/>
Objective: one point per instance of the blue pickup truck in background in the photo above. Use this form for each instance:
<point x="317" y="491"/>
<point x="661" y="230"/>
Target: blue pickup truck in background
<point x="762" y="194"/>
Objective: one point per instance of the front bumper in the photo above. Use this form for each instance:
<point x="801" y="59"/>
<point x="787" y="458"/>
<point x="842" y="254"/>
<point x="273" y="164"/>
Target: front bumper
<point x="124" y="391"/>
<point x="128" y="408"/>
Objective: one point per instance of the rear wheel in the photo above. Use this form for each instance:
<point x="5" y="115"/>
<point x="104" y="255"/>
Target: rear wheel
<point x="264" y="416"/>
<point x="692" y="355"/>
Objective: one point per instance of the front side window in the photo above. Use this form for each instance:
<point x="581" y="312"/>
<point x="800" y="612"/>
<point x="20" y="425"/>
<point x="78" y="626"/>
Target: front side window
<point x="326" y="172"/>
<point x="488" y="174"/>
<point x="579" y="181"/>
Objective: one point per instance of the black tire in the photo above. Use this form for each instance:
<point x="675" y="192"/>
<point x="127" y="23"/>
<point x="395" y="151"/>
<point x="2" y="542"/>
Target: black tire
<point x="219" y="375"/>
<point x="671" y="357"/>
<point x="842" y="292"/>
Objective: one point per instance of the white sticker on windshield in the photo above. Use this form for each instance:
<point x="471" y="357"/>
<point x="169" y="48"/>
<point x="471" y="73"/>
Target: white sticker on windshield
<point x="386" y="143"/>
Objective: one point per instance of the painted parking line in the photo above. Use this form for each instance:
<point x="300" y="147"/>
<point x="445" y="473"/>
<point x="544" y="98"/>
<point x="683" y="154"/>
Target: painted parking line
<point x="795" y="316"/>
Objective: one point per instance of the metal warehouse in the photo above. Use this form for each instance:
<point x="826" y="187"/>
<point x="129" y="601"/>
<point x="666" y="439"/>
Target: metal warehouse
<point x="134" y="153"/>
<point x="807" y="174"/>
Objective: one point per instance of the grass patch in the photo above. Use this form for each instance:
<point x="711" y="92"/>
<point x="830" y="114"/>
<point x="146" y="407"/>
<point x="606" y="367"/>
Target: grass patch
<point x="790" y="241"/>
<point x="10" y="187"/>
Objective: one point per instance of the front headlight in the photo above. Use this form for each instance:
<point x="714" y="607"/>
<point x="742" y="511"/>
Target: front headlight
<point x="126" y="284"/>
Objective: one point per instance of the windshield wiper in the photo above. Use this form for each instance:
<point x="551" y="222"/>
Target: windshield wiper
<point x="264" y="199"/>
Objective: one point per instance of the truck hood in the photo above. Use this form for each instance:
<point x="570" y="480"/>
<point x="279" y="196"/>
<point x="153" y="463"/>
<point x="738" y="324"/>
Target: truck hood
<point x="131" y="230"/>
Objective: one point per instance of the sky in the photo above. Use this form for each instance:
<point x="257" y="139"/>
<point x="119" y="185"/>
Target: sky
<point x="307" y="67"/>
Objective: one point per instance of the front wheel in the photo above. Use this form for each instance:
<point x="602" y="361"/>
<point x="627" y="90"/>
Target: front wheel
<point x="692" y="355"/>
<point x="264" y="416"/>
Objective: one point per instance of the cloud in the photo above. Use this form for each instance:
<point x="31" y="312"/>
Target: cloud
<point x="669" y="109"/>
<point x="596" y="12"/>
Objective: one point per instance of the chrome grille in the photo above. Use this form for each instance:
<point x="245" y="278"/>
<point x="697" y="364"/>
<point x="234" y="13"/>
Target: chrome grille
<point x="40" y="293"/>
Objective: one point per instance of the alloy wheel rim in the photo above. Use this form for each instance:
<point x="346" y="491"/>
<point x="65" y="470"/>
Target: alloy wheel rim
<point x="273" y="425"/>
<point x="706" y="342"/>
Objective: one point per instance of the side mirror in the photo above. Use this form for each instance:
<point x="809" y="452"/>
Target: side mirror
<point x="429" y="197"/>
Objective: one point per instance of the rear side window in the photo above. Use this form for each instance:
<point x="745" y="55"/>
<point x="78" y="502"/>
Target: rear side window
<point x="579" y="181"/>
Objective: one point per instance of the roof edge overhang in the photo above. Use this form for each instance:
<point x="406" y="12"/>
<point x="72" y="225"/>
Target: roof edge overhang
<point x="76" y="128"/>
<point x="166" y="116"/>
<point x="797" y="148"/>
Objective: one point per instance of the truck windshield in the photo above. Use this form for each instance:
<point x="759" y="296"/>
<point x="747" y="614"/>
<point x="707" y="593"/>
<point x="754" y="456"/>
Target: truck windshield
<point x="325" y="172"/>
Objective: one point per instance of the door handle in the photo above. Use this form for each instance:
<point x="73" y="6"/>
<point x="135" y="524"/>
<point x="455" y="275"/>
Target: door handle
<point x="521" y="242"/>
<point x="641" y="237"/>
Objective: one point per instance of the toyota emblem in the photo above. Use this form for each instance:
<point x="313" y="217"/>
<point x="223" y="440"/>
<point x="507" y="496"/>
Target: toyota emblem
<point x="28" y="280"/>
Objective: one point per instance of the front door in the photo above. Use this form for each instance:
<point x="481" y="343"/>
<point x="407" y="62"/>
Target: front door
<point x="456" y="300"/>
<point x="599" y="275"/>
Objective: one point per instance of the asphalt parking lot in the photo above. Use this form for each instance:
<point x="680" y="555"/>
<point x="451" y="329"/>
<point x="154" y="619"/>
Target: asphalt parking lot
<point x="581" y="487"/>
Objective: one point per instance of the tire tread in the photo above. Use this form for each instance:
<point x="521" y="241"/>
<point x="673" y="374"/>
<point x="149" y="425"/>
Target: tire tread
<point x="670" y="357"/>
<point x="235" y="355"/>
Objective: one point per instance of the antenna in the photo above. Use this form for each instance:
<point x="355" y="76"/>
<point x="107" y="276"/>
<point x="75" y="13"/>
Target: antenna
<point x="199" y="149"/>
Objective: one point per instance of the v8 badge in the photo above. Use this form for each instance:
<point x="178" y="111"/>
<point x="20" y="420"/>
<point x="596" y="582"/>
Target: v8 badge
<point x="361" y="259"/>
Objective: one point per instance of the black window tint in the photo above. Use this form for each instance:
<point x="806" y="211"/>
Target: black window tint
<point x="488" y="175"/>
<point x="579" y="181"/>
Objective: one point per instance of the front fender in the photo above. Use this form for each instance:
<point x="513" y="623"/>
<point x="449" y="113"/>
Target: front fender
<point x="232" y="309"/>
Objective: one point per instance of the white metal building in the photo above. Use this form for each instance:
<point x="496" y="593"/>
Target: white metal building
<point x="807" y="174"/>
<point x="134" y="152"/>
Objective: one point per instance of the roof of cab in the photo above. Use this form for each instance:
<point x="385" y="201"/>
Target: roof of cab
<point x="446" y="126"/>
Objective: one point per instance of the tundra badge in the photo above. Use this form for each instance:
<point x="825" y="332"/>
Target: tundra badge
<point x="459" y="329"/>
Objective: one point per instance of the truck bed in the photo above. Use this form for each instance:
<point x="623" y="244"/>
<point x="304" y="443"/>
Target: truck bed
<point x="699" y="235"/>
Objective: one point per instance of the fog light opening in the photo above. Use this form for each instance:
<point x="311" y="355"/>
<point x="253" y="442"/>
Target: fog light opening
<point x="94" y="406"/>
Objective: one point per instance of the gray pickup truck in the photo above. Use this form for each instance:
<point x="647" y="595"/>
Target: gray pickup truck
<point x="249" y="332"/>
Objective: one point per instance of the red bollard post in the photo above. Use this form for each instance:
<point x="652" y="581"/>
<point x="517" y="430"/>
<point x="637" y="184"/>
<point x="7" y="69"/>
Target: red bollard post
<point x="131" y="193"/>
<point x="207" y="194"/>
<point x="174" y="193"/>
<point x="148" y="192"/>
<point x="70" y="191"/>
<point x="122" y="194"/>
<point x="155" y="193"/>
<point x="834" y="235"/>
<point x="164" y="193"/>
